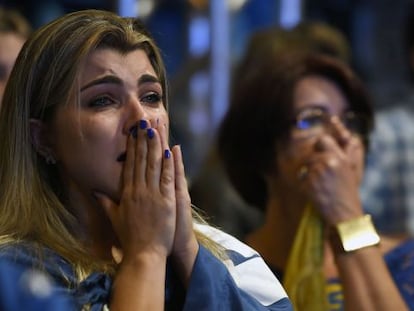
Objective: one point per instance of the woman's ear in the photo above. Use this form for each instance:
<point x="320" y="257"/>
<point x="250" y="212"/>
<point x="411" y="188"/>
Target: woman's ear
<point x="40" y="141"/>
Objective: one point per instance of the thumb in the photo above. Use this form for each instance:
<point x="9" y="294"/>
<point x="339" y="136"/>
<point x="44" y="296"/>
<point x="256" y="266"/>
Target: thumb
<point x="105" y="202"/>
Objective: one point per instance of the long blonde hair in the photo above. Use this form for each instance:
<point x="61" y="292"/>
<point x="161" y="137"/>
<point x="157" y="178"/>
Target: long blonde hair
<point x="45" y="75"/>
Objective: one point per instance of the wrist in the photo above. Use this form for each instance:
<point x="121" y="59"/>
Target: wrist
<point x="354" y="234"/>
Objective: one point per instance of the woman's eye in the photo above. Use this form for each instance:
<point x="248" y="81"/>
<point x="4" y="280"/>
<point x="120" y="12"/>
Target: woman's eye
<point x="101" y="101"/>
<point x="152" y="98"/>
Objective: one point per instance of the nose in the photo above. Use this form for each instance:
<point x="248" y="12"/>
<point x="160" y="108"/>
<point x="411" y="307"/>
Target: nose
<point x="134" y="112"/>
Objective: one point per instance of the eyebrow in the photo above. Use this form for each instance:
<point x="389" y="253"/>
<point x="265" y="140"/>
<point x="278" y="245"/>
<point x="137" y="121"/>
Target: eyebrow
<point x="145" y="78"/>
<point x="103" y="80"/>
<point x="314" y="106"/>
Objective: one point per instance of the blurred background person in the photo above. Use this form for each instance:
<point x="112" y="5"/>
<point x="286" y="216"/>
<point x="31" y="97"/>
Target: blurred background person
<point x="14" y="30"/>
<point x="387" y="189"/>
<point x="91" y="107"/>
<point x="293" y="143"/>
<point x="231" y="212"/>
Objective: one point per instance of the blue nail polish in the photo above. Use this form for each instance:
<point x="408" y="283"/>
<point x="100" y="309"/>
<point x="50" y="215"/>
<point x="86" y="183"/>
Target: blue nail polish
<point x="150" y="133"/>
<point x="133" y="131"/>
<point x="167" y="154"/>
<point x="142" y="124"/>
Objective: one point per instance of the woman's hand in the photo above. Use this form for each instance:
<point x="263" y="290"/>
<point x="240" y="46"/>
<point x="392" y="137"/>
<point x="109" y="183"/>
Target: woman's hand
<point x="334" y="174"/>
<point x="144" y="221"/>
<point x="145" y="217"/>
<point x="154" y="213"/>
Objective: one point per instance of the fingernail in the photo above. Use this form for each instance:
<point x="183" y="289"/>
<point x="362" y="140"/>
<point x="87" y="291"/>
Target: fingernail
<point x="150" y="133"/>
<point x="167" y="154"/>
<point x="142" y="124"/>
<point x="133" y="131"/>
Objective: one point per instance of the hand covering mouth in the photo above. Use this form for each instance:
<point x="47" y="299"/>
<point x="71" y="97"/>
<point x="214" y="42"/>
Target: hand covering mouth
<point x="121" y="157"/>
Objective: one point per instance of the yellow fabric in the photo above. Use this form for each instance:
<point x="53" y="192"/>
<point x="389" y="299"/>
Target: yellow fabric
<point x="304" y="280"/>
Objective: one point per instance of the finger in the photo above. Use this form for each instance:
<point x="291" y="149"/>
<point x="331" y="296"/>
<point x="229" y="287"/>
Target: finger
<point x="181" y="187"/>
<point x="322" y="162"/>
<point x="317" y="168"/>
<point x="128" y="169"/>
<point x="354" y="143"/>
<point x="327" y="144"/>
<point x="328" y="147"/>
<point x="141" y="151"/>
<point x="163" y="130"/>
<point x="340" y="132"/>
<point x="355" y="153"/>
<point x="167" y="182"/>
<point x="184" y="240"/>
<point x="154" y="158"/>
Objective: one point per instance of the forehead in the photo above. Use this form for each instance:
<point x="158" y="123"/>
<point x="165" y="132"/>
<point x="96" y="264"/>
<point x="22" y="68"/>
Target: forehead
<point x="110" y="61"/>
<point x="315" y="90"/>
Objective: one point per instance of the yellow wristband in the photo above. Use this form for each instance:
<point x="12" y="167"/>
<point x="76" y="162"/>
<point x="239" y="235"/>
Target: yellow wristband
<point x="357" y="233"/>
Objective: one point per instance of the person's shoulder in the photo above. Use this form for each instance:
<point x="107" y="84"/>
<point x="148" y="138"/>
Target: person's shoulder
<point x="400" y="262"/>
<point x="248" y="269"/>
<point x="23" y="288"/>
<point x="229" y="242"/>
<point x="33" y="256"/>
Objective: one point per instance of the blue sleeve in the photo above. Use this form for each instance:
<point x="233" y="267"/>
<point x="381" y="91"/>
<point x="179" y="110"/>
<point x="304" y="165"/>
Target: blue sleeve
<point x="23" y="288"/>
<point x="400" y="262"/>
<point x="212" y="288"/>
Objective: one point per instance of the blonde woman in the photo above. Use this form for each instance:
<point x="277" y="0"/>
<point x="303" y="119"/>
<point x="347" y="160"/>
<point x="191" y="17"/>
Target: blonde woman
<point x="91" y="191"/>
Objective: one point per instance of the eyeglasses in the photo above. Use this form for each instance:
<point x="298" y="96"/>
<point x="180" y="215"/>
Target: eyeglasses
<point x="313" y="120"/>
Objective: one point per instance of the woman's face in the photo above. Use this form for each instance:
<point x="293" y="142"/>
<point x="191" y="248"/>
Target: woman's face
<point x="9" y="49"/>
<point x="317" y="101"/>
<point x="116" y="91"/>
